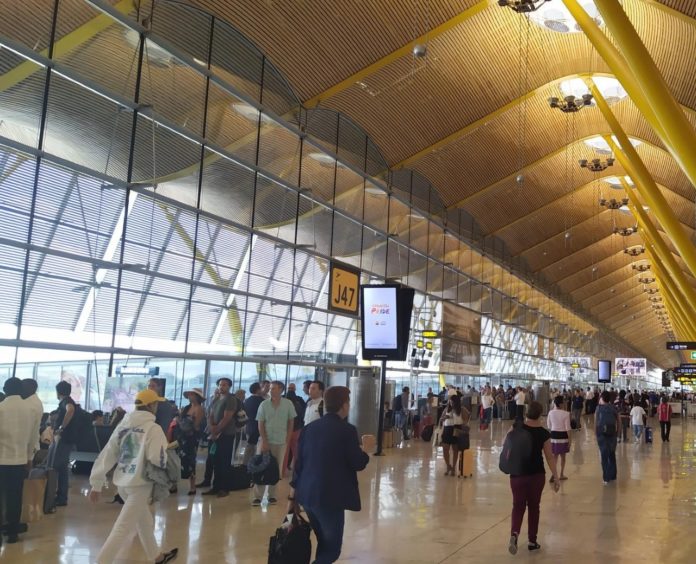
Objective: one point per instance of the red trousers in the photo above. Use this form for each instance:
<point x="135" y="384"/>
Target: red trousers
<point x="526" y="494"/>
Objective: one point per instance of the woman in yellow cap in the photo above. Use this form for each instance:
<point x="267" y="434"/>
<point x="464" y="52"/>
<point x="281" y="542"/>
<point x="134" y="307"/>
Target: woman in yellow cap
<point x="136" y="441"/>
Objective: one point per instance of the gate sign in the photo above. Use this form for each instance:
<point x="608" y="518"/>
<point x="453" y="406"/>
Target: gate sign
<point x="344" y="288"/>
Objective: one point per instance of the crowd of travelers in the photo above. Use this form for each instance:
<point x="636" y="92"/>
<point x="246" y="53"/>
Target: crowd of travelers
<point x="156" y="445"/>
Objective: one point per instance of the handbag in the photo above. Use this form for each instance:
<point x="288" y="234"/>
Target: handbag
<point x="291" y="543"/>
<point x="463" y="441"/>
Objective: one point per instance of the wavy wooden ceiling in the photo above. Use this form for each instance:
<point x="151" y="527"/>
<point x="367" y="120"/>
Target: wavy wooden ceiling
<point x="446" y="117"/>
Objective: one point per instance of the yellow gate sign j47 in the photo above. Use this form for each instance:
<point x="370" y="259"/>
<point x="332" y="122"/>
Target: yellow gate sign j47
<point x="344" y="289"/>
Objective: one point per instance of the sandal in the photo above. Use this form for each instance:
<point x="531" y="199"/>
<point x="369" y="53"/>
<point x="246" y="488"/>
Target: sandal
<point x="168" y="556"/>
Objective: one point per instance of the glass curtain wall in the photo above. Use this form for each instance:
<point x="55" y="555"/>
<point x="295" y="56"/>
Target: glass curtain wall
<point x="178" y="206"/>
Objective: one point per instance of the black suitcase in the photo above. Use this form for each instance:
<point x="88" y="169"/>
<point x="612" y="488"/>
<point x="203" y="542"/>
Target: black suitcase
<point x="427" y="433"/>
<point x="240" y="479"/>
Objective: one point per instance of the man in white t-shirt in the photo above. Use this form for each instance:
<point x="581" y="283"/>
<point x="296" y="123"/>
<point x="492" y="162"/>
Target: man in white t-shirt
<point x="520" y="398"/>
<point x="315" y="403"/>
<point x="637" y="414"/>
<point x="487" y="406"/>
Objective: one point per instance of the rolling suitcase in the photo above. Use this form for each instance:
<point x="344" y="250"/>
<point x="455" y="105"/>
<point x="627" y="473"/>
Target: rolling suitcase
<point x="466" y="464"/>
<point x="648" y="435"/>
<point x="427" y="433"/>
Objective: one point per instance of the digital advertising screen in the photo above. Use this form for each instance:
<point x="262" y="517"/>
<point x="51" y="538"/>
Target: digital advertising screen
<point x="386" y="320"/>
<point x="604" y="367"/>
<point x="380" y="322"/>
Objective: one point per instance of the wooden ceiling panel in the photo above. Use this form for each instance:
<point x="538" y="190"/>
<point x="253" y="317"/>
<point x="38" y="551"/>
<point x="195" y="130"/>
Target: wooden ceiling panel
<point x="687" y="7"/>
<point x="317" y="44"/>
<point x="584" y="256"/>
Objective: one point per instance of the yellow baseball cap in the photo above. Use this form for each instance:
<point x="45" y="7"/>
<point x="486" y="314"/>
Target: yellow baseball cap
<point x="146" y="397"/>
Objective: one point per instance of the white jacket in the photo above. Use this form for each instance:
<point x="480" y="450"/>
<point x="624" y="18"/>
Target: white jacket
<point x="136" y="440"/>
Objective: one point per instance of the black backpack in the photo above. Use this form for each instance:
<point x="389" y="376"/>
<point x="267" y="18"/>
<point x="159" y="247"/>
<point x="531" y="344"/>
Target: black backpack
<point x="517" y="452"/>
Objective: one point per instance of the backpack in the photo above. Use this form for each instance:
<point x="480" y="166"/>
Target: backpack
<point x="81" y="421"/>
<point x="606" y="422"/>
<point x="398" y="404"/>
<point x="241" y="418"/>
<point x="517" y="451"/>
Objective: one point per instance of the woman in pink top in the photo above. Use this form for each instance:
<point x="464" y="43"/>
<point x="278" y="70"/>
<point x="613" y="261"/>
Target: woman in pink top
<point x="558" y="421"/>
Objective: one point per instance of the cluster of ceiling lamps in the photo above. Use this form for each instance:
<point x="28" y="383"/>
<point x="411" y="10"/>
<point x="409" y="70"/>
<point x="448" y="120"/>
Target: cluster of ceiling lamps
<point x="596" y="165"/>
<point x="554" y="17"/>
<point x="635" y="250"/>
<point x="613" y="203"/>
<point x="625" y="231"/>
<point x="570" y="104"/>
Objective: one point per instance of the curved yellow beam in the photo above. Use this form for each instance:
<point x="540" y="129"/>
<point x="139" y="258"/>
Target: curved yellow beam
<point x="680" y="135"/>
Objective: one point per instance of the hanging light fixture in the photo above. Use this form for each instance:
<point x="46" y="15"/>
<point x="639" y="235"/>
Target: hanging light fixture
<point x="522" y="6"/>
<point x="571" y="104"/>
<point x="635" y="251"/>
<point x="625" y="231"/>
<point x="596" y="165"/>
<point x="613" y="203"/>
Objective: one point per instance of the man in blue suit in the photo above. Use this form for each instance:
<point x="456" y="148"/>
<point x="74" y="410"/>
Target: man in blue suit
<point x="325" y="481"/>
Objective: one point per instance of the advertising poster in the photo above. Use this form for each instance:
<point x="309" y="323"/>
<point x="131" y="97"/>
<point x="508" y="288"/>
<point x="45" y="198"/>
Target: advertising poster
<point x="631" y="367"/>
<point x="461" y="340"/>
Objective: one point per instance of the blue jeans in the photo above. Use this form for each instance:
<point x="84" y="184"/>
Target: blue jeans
<point x="327" y="524"/>
<point x="59" y="455"/>
<point x="637" y="431"/>
<point x="488" y="415"/>
<point x="607" y="450"/>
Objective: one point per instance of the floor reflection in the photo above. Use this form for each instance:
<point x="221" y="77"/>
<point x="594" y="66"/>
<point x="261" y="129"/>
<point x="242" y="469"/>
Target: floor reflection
<point x="412" y="513"/>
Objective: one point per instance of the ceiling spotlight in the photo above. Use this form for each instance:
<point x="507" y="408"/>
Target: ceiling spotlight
<point x="613" y="204"/>
<point x="520" y="179"/>
<point x="655" y="299"/>
<point x="635" y="250"/>
<point x="522" y="6"/>
<point x="625" y="231"/>
<point x="570" y="103"/>
<point x="567" y="234"/>
<point x="420" y="50"/>
<point x="650" y="291"/>
<point x="596" y="165"/>
<point x="641" y="267"/>
<point x="646" y="279"/>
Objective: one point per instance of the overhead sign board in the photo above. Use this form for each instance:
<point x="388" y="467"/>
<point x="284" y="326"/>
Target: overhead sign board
<point x="693" y="355"/>
<point x="344" y="289"/>
<point x="682" y="346"/>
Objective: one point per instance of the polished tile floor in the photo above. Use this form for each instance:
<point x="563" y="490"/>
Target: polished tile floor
<point x="412" y="513"/>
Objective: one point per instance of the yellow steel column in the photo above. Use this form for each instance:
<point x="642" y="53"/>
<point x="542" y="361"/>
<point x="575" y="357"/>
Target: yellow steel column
<point x="679" y="131"/>
<point x="628" y="158"/>
<point x="676" y="315"/>
<point x="681" y="150"/>
<point x="616" y="63"/>
<point x="675" y="272"/>
<point x="674" y="302"/>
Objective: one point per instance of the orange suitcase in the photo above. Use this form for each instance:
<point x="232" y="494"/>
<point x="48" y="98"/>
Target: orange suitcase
<point x="466" y="464"/>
